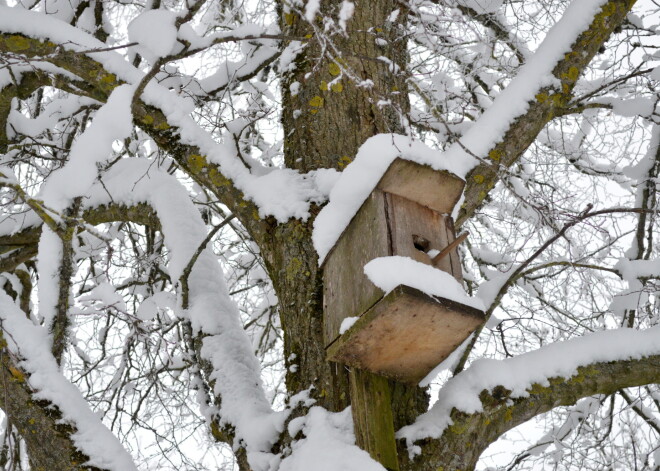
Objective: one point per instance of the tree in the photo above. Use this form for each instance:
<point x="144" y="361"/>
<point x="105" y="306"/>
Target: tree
<point x="147" y="144"/>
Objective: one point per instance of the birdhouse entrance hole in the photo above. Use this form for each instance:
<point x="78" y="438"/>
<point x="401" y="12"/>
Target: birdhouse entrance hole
<point x="421" y="243"/>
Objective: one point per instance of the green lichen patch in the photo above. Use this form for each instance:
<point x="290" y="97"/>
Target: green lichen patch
<point x="293" y="268"/>
<point x="162" y="126"/>
<point x="495" y="154"/>
<point x="290" y="18"/>
<point x="334" y="69"/>
<point x="17" y="374"/>
<point x="196" y="162"/>
<point x="316" y="103"/>
<point x="18" y="43"/>
<point x="344" y="161"/>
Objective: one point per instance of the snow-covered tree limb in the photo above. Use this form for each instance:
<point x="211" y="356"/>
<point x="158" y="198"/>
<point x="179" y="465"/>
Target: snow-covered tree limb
<point x="491" y="397"/>
<point x="546" y="101"/>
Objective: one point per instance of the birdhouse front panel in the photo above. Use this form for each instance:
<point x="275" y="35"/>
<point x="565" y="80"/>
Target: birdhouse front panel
<point x="386" y="224"/>
<point x="419" y="233"/>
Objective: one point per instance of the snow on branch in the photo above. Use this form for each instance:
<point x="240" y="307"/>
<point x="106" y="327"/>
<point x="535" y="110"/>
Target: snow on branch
<point x="521" y="373"/>
<point x="541" y="91"/>
<point x="90" y="150"/>
<point x="534" y="75"/>
<point x="31" y="344"/>
<point x="282" y="193"/>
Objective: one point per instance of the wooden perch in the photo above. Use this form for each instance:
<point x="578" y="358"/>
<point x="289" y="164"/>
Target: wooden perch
<point x="446" y="251"/>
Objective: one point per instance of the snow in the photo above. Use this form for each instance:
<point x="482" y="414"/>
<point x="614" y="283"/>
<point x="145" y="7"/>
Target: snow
<point x="312" y="7"/>
<point x="105" y="295"/>
<point x="655" y="74"/>
<point x="640" y="171"/>
<point x="489" y="290"/>
<point x="149" y="307"/>
<point x="346" y="13"/>
<point x="113" y="121"/>
<point x="329" y="444"/>
<point x="49" y="261"/>
<point x="389" y="272"/>
<point x="630" y="107"/>
<point x="291" y="193"/>
<point x="229" y="70"/>
<point x="48" y="119"/>
<point x="282" y="193"/>
<point x="347" y="323"/>
<point x="324" y="180"/>
<point x="211" y="311"/>
<point x="155" y="32"/>
<point x="535" y="74"/>
<point x="518" y="374"/>
<point x="362" y="175"/>
<point x="632" y="269"/>
<point x="32" y="344"/>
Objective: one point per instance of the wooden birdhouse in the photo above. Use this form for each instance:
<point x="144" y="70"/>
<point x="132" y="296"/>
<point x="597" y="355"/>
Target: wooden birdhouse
<point x="402" y="335"/>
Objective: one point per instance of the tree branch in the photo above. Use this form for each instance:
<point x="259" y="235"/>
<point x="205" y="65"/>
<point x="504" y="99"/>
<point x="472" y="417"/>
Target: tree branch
<point x="464" y="441"/>
<point x="152" y="120"/>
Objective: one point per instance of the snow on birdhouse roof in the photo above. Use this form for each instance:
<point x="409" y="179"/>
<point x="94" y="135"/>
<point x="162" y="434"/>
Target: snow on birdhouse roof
<point x="359" y="179"/>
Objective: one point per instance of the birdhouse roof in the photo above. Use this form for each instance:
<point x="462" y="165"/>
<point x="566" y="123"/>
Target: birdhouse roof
<point x="395" y="164"/>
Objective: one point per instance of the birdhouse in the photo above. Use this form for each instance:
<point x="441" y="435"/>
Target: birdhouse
<point x="402" y="335"/>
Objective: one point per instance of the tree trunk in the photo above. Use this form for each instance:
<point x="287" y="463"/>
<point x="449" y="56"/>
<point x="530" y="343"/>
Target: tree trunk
<point x="337" y="96"/>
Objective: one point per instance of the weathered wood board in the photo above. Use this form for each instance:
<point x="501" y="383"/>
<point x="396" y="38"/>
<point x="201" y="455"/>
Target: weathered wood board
<point x="371" y="402"/>
<point x="408" y="221"/>
<point x="434" y="189"/>
<point x="405" y="335"/>
<point x="346" y="289"/>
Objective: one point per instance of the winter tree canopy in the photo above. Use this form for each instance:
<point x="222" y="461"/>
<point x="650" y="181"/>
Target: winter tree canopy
<point x="174" y="173"/>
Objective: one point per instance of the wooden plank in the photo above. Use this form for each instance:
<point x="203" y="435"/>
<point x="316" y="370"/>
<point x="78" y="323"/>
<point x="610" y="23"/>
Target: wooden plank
<point x="371" y="405"/>
<point x="405" y="335"/>
<point x="435" y="189"/>
<point x="408" y="220"/>
<point x="347" y="291"/>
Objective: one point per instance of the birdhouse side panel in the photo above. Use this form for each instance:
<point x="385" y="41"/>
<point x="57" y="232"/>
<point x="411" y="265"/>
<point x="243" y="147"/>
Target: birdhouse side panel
<point x="347" y="292"/>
